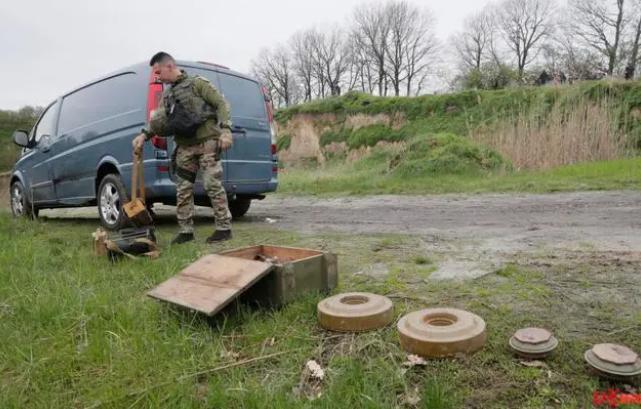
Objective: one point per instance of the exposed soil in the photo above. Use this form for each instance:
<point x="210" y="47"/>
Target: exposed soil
<point x="471" y="234"/>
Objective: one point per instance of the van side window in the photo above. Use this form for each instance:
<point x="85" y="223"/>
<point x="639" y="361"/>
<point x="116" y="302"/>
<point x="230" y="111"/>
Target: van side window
<point x="99" y="101"/>
<point x="243" y="95"/>
<point x="47" y="123"/>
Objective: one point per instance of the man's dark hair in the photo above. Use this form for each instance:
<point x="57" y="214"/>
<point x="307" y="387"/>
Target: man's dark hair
<point x="160" y="57"/>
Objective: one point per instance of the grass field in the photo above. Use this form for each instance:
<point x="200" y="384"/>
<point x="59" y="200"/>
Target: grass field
<point x="372" y="177"/>
<point x="79" y="332"/>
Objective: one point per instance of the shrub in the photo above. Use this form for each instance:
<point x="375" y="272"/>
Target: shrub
<point x="446" y="154"/>
<point x="284" y="142"/>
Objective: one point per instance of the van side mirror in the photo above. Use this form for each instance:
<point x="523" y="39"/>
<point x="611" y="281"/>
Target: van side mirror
<point x="21" y="138"/>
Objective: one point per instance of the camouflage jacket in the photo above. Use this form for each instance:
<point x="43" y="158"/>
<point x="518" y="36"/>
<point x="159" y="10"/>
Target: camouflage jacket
<point x="196" y="89"/>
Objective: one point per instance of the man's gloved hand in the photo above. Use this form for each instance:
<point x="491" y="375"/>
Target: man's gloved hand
<point x="226" y="140"/>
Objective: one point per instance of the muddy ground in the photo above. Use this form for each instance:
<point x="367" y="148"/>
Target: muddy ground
<point x="472" y="235"/>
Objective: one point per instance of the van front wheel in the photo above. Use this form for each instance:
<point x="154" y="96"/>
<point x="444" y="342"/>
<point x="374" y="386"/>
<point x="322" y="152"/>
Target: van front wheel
<point x="20" y="205"/>
<point x="239" y="206"/>
<point x="111" y="197"/>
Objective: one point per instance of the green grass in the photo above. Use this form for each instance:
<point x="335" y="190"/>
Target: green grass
<point x="459" y="112"/>
<point x="78" y="331"/>
<point x="374" y="177"/>
<point x="365" y="136"/>
<point x="438" y="156"/>
<point x="9" y="122"/>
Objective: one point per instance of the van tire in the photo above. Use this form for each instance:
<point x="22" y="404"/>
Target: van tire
<point x="110" y="197"/>
<point x="238" y="207"/>
<point x="20" y="204"/>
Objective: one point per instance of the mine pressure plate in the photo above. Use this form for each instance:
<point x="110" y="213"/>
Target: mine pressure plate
<point x="533" y="343"/>
<point x="614" y="360"/>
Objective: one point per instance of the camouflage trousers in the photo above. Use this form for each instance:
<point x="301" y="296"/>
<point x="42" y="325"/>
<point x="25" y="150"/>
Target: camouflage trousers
<point x="189" y="159"/>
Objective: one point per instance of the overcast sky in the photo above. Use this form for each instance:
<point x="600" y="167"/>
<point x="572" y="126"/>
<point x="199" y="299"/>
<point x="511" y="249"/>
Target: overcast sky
<point x="49" y="47"/>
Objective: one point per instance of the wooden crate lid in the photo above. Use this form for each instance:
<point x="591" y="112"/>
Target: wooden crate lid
<point x="210" y="283"/>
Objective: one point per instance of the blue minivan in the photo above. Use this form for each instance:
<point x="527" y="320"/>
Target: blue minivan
<point x="79" y="151"/>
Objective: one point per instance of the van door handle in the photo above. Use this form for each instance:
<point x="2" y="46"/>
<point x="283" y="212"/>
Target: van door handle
<point x="238" y="129"/>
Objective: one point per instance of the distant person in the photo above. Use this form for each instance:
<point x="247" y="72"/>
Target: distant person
<point x="197" y="115"/>
<point x="543" y="79"/>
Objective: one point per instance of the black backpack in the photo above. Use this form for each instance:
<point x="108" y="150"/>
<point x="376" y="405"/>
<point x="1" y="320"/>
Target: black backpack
<point x="180" y="120"/>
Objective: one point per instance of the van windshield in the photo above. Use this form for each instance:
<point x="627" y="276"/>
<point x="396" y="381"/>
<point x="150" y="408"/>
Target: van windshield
<point x="243" y="95"/>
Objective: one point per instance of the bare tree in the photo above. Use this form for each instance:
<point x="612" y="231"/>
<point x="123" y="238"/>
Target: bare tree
<point x="319" y="79"/>
<point x="421" y="50"/>
<point x="599" y="24"/>
<point x="474" y="43"/>
<point x="577" y="61"/>
<point x="275" y="69"/>
<point x="358" y="73"/>
<point x="302" y="46"/>
<point x="372" y="30"/>
<point x="332" y="58"/>
<point x="634" y="48"/>
<point x="411" y="41"/>
<point x="364" y="62"/>
<point x="398" y="15"/>
<point x="524" y="25"/>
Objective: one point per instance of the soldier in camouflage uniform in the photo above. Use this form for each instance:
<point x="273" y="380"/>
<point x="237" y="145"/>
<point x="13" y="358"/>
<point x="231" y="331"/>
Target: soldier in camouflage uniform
<point x="197" y="151"/>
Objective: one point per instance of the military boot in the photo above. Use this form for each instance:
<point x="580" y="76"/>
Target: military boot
<point x="219" y="235"/>
<point x="182" y="238"/>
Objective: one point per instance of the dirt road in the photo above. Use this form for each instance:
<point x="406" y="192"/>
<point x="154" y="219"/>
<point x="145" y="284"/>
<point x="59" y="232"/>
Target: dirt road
<point x="475" y="234"/>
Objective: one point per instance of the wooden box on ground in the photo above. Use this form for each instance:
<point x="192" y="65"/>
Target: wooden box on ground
<point x="266" y="275"/>
<point x="296" y="272"/>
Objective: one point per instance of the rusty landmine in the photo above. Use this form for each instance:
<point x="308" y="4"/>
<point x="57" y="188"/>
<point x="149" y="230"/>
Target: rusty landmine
<point x="533" y="343"/>
<point x="613" y="360"/>
<point x="352" y="312"/>
<point x="441" y="332"/>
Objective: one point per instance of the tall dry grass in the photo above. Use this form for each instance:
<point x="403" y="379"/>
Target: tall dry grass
<point x="583" y="132"/>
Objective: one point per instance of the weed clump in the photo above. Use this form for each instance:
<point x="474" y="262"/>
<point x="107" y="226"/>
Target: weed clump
<point x="446" y="154"/>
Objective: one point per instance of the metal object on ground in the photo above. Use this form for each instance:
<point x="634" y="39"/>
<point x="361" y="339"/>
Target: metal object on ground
<point x="441" y="332"/>
<point x="613" y="360"/>
<point x="295" y="272"/>
<point x="210" y="283"/>
<point x="132" y="242"/>
<point x="355" y="312"/>
<point x="533" y="343"/>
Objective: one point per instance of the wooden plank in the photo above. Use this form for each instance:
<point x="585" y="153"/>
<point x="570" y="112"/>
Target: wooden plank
<point x="210" y="283"/>
<point x="248" y="253"/>
<point x="286" y="254"/>
<point x="283" y="254"/>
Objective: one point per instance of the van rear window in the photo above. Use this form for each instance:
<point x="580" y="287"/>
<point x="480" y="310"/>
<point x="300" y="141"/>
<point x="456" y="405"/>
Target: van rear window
<point x="243" y="95"/>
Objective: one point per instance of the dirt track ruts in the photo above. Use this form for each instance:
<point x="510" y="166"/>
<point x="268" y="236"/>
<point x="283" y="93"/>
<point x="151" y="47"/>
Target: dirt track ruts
<point x="479" y="232"/>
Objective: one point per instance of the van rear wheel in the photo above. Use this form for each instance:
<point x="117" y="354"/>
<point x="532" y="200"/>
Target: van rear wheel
<point x="239" y="206"/>
<point x="111" y="197"/>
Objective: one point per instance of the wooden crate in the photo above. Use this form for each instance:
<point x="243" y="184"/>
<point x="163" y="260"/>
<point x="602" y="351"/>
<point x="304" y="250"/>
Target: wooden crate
<point x="210" y="283"/>
<point x="296" y="272"/>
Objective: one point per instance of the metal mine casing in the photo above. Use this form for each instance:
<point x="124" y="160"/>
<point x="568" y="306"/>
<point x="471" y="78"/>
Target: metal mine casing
<point x="355" y="312"/>
<point x="533" y="343"/>
<point x="613" y="360"/>
<point x="296" y="271"/>
<point x="441" y="332"/>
